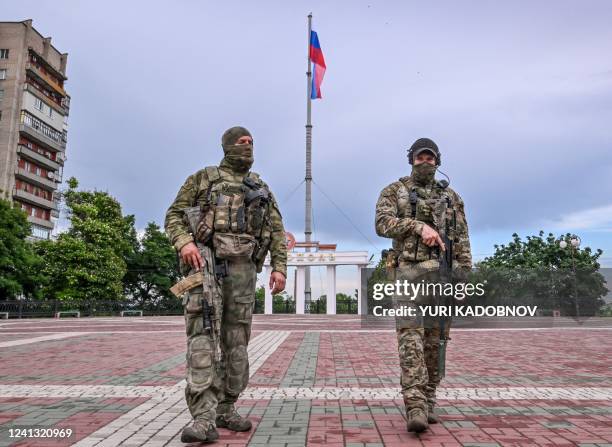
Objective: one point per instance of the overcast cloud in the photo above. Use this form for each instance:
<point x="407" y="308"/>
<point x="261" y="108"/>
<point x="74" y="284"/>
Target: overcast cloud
<point x="518" y="96"/>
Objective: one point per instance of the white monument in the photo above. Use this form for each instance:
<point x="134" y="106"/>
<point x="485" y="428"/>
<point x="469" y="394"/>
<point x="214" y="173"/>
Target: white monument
<point x="323" y="255"/>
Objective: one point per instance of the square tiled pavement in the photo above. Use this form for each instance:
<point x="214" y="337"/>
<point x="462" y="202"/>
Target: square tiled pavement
<point x="315" y="380"/>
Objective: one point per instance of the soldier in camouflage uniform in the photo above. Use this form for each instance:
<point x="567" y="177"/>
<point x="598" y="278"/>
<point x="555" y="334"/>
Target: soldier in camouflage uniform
<point x="214" y="386"/>
<point x="405" y="212"/>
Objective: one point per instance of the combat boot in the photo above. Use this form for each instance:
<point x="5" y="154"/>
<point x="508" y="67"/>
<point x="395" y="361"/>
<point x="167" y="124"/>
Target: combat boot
<point x="200" y="431"/>
<point x="417" y="420"/>
<point x="231" y="420"/>
<point x="432" y="417"/>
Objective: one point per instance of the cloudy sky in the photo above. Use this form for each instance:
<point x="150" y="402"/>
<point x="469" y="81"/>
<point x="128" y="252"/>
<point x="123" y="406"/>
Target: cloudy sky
<point x="518" y="96"/>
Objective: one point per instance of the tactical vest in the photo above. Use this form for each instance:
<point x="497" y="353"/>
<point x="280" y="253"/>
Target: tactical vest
<point x="236" y="215"/>
<point x="432" y="205"/>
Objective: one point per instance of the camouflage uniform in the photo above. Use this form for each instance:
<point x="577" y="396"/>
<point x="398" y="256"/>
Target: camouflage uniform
<point x="213" y="387"/>
<point x="399" y="218"/>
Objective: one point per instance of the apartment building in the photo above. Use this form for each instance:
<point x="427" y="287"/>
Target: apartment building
<point x="33" y="122"/>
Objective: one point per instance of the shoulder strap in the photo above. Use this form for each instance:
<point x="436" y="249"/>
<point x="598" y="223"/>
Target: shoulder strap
<point x="451" y="204"/>
<point x="412" y="194"/>
<point x="448" y="197"/>
<point x="414" y="198"/>
<point x="211" y="177"/>
<point x="212" y="173"/>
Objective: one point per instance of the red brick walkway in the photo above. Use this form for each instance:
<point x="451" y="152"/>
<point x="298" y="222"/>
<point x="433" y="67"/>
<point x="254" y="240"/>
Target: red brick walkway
<point x="315" y="381"/>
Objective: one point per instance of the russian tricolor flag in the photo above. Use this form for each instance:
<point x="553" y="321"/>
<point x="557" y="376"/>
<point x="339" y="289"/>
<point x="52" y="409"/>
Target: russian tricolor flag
<point x="316" y="56"/>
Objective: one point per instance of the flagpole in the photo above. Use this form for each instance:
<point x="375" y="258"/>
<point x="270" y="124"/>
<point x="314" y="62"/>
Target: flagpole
<point x="308" y="177"/>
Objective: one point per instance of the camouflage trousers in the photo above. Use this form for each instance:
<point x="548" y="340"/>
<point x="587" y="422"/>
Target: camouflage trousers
<point x="213" y="387"/>
<point x="419" y="339"/>
<point x="418" y="353"/>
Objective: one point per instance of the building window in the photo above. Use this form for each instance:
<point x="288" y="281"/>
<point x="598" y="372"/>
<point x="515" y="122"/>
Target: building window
<point x="2" y="74"/>
<point x="4" y="52"/>
<point x="1" y="95"/>
<point x="38" y="104"/>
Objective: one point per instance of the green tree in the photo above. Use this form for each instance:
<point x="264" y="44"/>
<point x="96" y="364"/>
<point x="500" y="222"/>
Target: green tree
<point x="283" y="303"/>
<point x="345" y="304"/>
<point x="260" y="300"/>
<point x="319" y="305"/>
<point x="540" y="271"/>
<point x="151" y="270"/>
<point x="378" y="276"/>
<point x="88" y="260"/>
<point x="19" y="264"/>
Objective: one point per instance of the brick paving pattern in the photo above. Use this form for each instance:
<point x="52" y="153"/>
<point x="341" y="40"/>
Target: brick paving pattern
<point x="315" y="380"/>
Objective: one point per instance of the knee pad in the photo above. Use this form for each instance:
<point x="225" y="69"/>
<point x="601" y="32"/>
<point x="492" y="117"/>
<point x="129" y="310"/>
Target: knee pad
<point x="200" y="368"/>
<point x="237" y="369"/>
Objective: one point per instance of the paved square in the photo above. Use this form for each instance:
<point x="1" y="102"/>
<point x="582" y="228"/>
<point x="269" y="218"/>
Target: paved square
<point x="315" y="380"/>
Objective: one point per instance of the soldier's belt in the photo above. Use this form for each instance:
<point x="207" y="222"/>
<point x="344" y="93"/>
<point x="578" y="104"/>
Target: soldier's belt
<point x="186" y="284"/>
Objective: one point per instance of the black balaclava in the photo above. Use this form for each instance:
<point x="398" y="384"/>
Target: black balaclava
<point x="238" y="157"/>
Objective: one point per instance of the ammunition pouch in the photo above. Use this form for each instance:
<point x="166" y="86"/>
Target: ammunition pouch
<point x="193" y="303"/>
<point x="233" y="219"/>
<point x="233" y="246"/>
<point x="204" y="229"/>
<point x="390" y="257"/>
<point x="237" y="214"/>
<point x="229" y="213"/>
<point x="256" y="219"/>
<point x="238" y="209"/>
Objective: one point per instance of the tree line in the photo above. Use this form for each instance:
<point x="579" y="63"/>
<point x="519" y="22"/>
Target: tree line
<point x="99" y="257"/>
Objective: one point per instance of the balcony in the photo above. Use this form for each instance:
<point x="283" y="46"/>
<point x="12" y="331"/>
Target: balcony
<point x="42" y="133"/>
<point x="61" y="109"/>
<point x="40" y="222"/>
<point x="32" y="155"/>
<point x="35" y="179"/>
<point x="66" y="103"/>
<point x="33" y="69"/>
<point x="24" y="196"/>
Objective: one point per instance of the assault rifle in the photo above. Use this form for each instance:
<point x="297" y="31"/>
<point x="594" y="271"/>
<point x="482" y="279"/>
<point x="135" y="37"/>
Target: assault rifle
<point x="445" y="258"/>
<point x="209" y="277"/>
